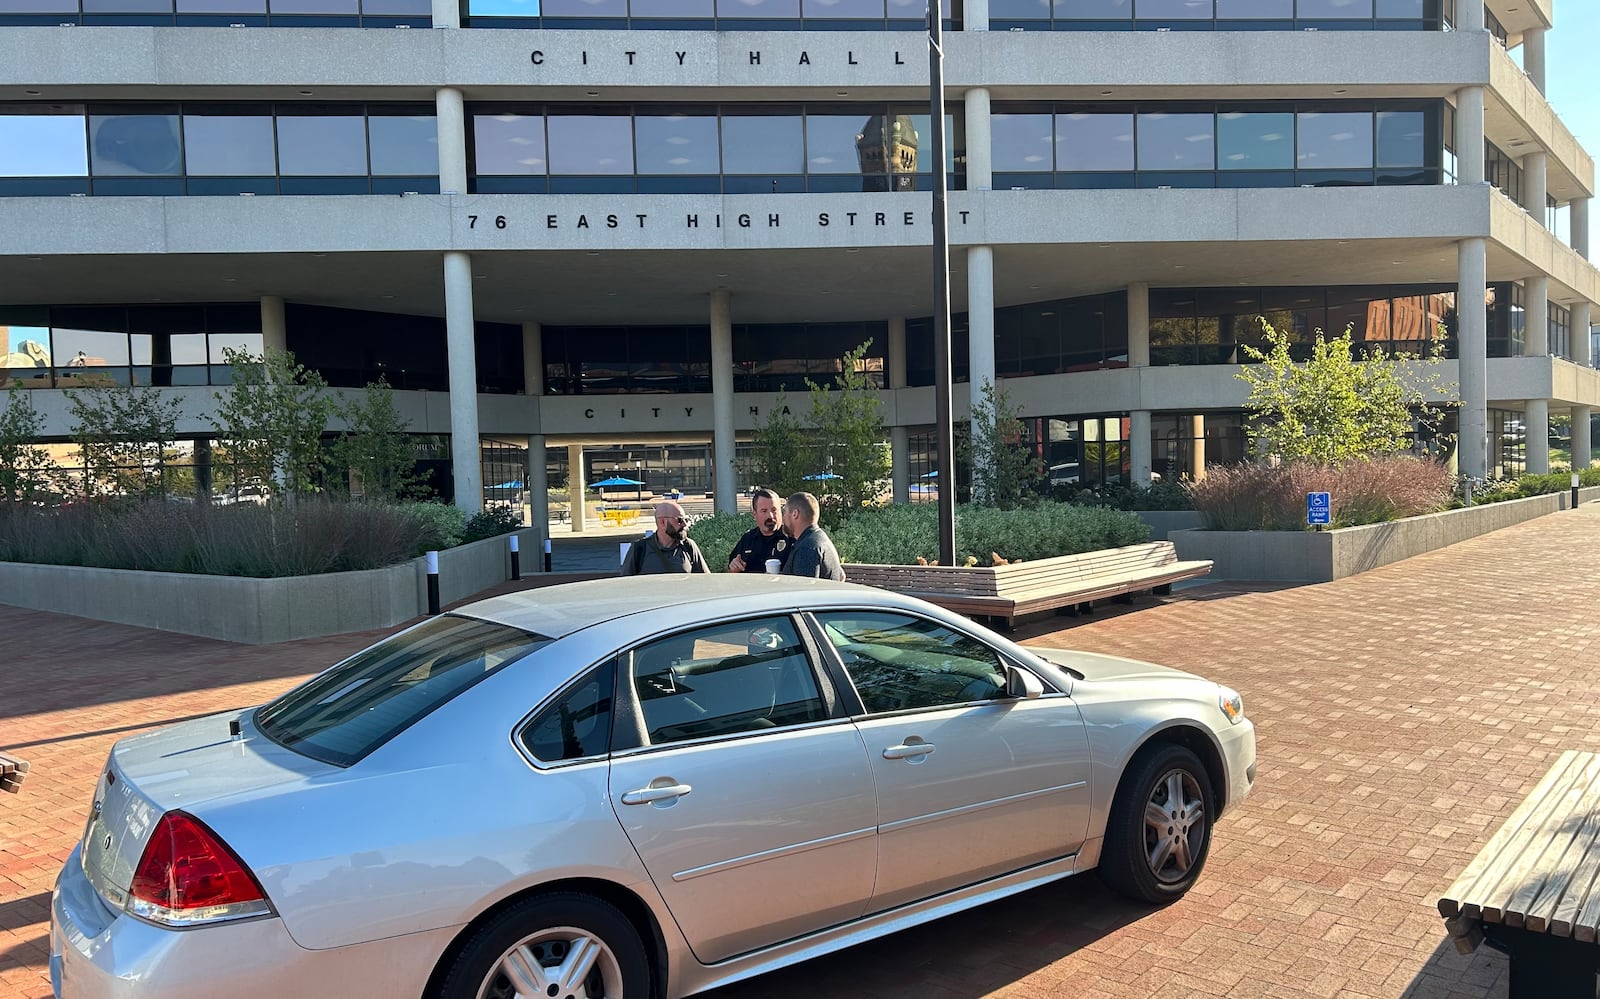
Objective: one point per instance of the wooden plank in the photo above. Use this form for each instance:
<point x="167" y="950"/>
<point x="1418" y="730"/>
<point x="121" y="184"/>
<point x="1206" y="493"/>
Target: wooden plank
<point x="1566" y="884"/>
<point x="1539" y="883"/>
<point x="1563" y="921"/>
<point x="1531" y="862"/>
<point x="1486" y="870"/>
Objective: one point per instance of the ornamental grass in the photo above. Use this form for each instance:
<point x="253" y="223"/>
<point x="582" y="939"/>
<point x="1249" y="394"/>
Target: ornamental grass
<point x="1259" y="497"/>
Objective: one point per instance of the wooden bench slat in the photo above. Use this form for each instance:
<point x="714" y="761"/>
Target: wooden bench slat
<point x="12" y="771"/>
<point x="1528" y="864"/>
<point x="1540" y="884"/>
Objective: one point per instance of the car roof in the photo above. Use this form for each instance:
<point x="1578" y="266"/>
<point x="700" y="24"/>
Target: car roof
<point x="559" y="610"/>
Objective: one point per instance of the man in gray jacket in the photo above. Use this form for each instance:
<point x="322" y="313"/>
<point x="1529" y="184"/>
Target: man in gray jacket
<point x="812" y="553"/>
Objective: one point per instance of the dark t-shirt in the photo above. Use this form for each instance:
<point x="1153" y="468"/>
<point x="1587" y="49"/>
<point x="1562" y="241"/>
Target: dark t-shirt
<point x="755" y="548"/>
<point x="647" y="558"/>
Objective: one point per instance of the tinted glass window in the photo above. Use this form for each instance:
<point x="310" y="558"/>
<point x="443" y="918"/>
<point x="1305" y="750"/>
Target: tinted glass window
<point x="1402" y="138"/>
<point x="728" y="678"/>
<point x="39" y="6"/>
<point x="314" y="6"/>
<point x="74" y="348"/>
<point x="345" y="713"/>
<point x="1400" y="8"/>
<point x="509" y="144"/>
<point x="404" y="145"/>
<point x="1334" y="140"/>
<point x="1172" y="9"/>
<point x="229" y="145"/>
<point x="1249" y="141"/>
<point x="322" y="145"/>
<point x="676" y="143"/>
<point x="1094" y="9"/>
<point x="762" y="144"/>
<point x="1176" y="142"/>
<point x="898" y="662"/>
<point x="222" y="6"/>
<point x="831" y="142"/>
<point x="1023" y="142"/>
<point x="127" y="6"/>
<point x="503" y="8"/>
<point x="1262" y="9"/>
<point x="585" y="8"/>
<point x="673" y="8"/>
<point x="1335" y="9"/>
<point x="578" y="725"/>
<point x="219" y="343"/>
<point x="582" y="144"/>
<point x="135" y="145"/>
<point x="758" y="8"/>
<point x="842" y="8"/>
<point x="1094" y="141"/>
<point x="43" y="145"/>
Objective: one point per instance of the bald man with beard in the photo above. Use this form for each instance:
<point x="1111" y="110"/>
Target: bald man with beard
<point x="669" y="550"/>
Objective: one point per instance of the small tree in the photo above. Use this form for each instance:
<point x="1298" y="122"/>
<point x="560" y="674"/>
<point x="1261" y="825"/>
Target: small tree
<point x="781" y="452"/>
<point x="273" y="416"/>
<point x="375" y="447"/>
<point x="848" y="419"/>
<point x="1339" y="404"/>
<point x="1006" y="472"/>
<point x="26" y="471"/>
<point x="125" y="437"/>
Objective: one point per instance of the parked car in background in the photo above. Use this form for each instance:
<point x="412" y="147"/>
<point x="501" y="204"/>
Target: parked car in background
<point x="633" y="787"/>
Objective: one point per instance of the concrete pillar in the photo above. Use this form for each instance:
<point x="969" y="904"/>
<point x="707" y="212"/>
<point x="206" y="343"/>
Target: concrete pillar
<point x="537" y="480"/>
<point x="724" y="479"/>
<point x="1536" y="326"/>
<point x="1536" y="424"/>
<point x="1139" y="446"/>
<point x="1473" y="370"/>
<point x="532" y="360"/>
<point x="451" y="123"/>
<point x="1580" y="334"/>
<point x="1138" y="326"/>
<point x="1197" y="447"/>
<point x="980" y="321"/>
<point x="1582" y="451"/>
<point x="1534" y="186"/>
<point x="1580" y="226"/>
<point x="1533" y="56"/>
<point x="974" y="15"/>
<point x="899" y="437"/>
<point x="1469" y="16"/>
<point x="576" y="487"/>
<point x="447" y="13"/>
<point x="1469" y="133"/>
<point x="274" y="331"/>
<point x="466" y="463"/>
<point x="980" y="161"/>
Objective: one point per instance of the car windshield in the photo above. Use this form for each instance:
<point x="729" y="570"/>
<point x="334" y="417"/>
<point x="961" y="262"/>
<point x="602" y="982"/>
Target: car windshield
<point x="344" y="714"/>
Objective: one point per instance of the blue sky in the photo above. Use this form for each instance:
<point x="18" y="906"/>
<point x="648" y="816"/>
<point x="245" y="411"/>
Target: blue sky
<point x="1572" y="77"/>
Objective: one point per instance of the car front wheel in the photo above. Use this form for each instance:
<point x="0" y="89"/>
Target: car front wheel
<point x="1159" y="829"/>
<point x="565" y="945"/>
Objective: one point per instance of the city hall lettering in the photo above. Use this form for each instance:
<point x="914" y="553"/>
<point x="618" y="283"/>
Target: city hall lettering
<point x="713" y="220"/>
<point x="630" y="57"/>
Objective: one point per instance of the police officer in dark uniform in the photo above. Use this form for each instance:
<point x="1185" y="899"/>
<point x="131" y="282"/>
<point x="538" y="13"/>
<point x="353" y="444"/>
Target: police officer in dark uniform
<point x="764" y="541"/>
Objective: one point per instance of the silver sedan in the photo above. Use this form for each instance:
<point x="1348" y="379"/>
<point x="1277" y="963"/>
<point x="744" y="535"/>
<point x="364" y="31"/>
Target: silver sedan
<point x="633" y="787"/>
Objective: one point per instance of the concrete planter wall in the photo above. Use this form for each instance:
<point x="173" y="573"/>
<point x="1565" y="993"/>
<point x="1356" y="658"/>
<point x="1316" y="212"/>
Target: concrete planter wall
<point x="1319" y="557"/>
<point x="259" y="611"/>
<point x="1164" y="522"/>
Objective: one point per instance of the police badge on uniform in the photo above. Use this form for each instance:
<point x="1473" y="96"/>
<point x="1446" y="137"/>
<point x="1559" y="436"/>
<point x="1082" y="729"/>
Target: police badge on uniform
<point x="782" y="544"/>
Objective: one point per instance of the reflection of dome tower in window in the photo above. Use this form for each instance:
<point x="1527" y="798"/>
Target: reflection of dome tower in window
<point x="887" y="151"/>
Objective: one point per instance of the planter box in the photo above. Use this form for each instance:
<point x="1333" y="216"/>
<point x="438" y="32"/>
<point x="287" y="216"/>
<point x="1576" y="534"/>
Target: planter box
<point x="1319" y="557"/>
<point x="260" y="611"/>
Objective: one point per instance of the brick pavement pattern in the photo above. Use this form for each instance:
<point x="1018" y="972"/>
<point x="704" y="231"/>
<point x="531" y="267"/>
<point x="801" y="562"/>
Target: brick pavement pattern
<point x="1402" y="714"/>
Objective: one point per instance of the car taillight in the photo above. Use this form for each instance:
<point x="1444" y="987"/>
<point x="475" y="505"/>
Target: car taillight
<point x="189" y="876"/>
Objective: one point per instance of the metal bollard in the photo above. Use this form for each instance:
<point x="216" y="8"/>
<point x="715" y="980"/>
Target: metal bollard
<point x="1576" y="479"/>
<point x="433" y="582"/>
<point x="516" y="559"/>
<point x="547" y="556"/>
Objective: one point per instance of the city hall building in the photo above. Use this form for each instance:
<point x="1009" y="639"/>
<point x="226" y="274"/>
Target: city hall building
<point x="613" y="235"/>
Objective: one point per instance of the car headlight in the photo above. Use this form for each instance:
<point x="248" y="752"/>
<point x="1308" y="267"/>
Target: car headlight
<point x="1231" y="704"/>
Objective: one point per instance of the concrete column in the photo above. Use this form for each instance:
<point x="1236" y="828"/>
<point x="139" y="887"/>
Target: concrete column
<point x="1197" y="447"/>
<point x="1580" y="227"/>
<point x="576" y="487"/>
<point x="1139" y="450"/>
<point x="274" y="331"/>
<point x="1138" y="326"/>
<point x="1536" y="424"/>
<point x="537" y="480"/>
<point x="974" y="15"/>
<point x="1536" y="329"/>
<point x="1582" y="451"/>
<point x="899" y="437"/>
<point x="1580" y="334"/>
<point x="724" y="479"/>
<point x="1533" y="56"/>
<point x="896" y="349"/>
<point x="980" y="159"/>
<point x="980" y="323"/>
<point x="532" y="360"/>
<point x="1473" y="370"/>
<point x="1469" y="16"/>
<point x="451" y="122"/>
<point x="447" y="13"/>
<point x="466" y="463"/>
<point x="1534" y="186"/>
<point x="1469" y="132"/>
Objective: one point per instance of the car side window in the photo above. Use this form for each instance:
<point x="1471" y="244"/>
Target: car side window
<point x="578" y="724"/>
<point x="899" y="662"/>
<point x="723" y="679"/>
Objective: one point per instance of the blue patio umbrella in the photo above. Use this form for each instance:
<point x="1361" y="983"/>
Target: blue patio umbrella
<point x="931" y="475"/>
<point x="619" y="481"/>
<point x="822" y="475"/>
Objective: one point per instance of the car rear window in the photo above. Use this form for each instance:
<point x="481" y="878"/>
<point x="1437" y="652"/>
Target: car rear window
<point x="344" y="714"/>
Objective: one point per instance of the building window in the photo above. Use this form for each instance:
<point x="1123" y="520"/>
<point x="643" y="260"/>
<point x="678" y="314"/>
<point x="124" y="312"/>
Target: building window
<point x="221" y="13"/>
<point x="1217" y="15"/>
<point x="1560" y="331"/>
<point x="704" y="15"/>
<point x="141" y="345"/>
<point x="1502" y="171"/>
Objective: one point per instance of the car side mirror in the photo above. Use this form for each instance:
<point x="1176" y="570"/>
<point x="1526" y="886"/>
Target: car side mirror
<point x="1021" y="684"/>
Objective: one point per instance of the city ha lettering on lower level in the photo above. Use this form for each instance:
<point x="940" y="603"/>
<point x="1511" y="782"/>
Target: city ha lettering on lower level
<point x="638" y="58"/>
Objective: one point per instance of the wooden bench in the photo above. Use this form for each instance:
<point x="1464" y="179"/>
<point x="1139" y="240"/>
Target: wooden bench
<point x="1532" y="890"/>
<point x="12" y="770"/>
<point x="1010" y="591"/>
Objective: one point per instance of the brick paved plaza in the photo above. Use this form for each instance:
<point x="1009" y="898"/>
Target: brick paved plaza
<point x="1401" y="714"/>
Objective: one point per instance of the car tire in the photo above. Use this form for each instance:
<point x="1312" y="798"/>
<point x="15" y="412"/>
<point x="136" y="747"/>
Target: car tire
<point x="1159" y="829"/>
<point x="582" y="946"/>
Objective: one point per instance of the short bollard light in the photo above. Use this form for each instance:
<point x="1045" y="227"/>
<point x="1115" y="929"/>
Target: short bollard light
<point x="547" y="555"/>
<point x="433" y="582"/>
<point x="516" y="559"/>
<point x="1576" y="478"/>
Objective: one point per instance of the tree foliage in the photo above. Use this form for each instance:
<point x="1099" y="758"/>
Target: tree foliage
<point x="374" y="447"/>
<point x="1340" y="404"/>
<point x="26" y="471"/>
<point x="1006" y="473"/>
<point x="125" y="436"/>
<point x="273" y="416"/>
<point x="781" y="452"/>
<point x="850" y="439"/>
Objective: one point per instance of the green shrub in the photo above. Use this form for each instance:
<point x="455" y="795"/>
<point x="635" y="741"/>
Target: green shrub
<point x="441" y="524"/>
<point x="1252" y="497"/>
<point x="716" y="535"/>
<point x="1117" y="496"/>
<point x="897" y="535"/>
<point x="490" y="523"/>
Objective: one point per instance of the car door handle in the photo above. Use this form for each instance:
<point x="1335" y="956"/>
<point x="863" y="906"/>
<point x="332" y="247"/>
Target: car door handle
<point x="907" y="751"/>
<point x="646" y="795"/>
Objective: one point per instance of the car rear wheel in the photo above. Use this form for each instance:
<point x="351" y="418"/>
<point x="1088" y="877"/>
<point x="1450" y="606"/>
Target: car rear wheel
<point x="565" y="946"/>
<point x="1159" y="830"/>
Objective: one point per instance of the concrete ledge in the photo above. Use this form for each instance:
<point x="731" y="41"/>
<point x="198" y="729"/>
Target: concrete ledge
<point x="1320" y="557"/>
<point x="1163" y="522"/>
<point x="261" y="611"/>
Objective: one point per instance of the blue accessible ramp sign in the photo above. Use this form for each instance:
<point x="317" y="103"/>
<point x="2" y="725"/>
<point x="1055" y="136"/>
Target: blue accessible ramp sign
<point x="1319" y="509"/>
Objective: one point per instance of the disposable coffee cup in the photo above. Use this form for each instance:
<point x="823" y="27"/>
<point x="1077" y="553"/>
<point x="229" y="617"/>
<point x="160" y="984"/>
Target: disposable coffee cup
<point x="773" y="566"/>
